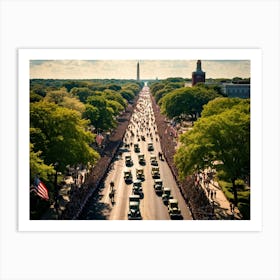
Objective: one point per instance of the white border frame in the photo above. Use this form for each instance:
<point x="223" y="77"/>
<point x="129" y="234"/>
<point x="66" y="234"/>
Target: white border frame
<point x="254" y="55"/>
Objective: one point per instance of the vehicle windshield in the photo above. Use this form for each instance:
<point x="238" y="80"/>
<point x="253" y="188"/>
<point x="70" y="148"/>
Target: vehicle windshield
<point x="134" y="205"/>
<point x="174" y="205"/>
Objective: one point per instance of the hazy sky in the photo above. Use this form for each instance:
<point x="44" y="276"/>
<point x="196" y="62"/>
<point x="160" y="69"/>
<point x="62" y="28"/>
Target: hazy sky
<point x="126" y="69"/>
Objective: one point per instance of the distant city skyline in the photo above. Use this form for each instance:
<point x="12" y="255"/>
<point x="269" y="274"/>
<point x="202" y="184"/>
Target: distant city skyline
<point x="127" y="69"/>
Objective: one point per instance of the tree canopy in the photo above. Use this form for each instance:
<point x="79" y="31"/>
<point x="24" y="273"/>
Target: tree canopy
<point x="60" y="135"/>
<point x="104" y="114"/>
<point x="82" y="93"/>
<point x="186" y="101"/>
<point x="64" y="99"/>
<point x="62" y="110"/>
<point x="221" y="137"/>
<point x="38" y="167"/>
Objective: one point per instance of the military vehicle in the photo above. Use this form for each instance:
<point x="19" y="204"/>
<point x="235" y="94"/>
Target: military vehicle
<point x="136" y="148"/>
<point x="141" y="159"/>
<point x="153" y="160"/>
<point x="166" y="195"/>
<point x="134" y="208"/>
<point x="158" y="187"/>
<point x="127" y="176"/>
<point x="140" y="174"/>
<point x="173" y="209"/>
<point x="155" y="173"/>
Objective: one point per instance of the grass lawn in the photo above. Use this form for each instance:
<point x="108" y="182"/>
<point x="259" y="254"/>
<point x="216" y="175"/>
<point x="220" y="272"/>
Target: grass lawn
<point x="243" y="193"/>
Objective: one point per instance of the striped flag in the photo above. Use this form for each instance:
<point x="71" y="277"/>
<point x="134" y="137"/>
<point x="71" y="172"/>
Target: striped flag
<point x="41" y="189"/>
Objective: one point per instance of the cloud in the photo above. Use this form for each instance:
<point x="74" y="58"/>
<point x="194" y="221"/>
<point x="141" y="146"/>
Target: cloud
<point x="126" y="69"/>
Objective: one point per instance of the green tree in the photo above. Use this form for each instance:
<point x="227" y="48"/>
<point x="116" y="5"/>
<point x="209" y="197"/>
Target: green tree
<point x="169" y="87"/>
<point x="113" y="95"/>
<point x="38" y="167"/>
<point x="114" y="87"/>
<point x="116" y="106"/>
<point x="156" y="87"/>
<point x="222" y="137"/>
<point x="56" y="96"/>
<point x="219" y="105"/>
<point x="62" y="98"/>
<point x="127" y="94"/>
<point x="82" y="93"/>
<point x="216" y="87"/>
<point x="92" y="114"/>
<point x="60" y="134"/>
<point x="34" y="97"/>
<point x="72" y="84"/>
<point x="186" y="101"/>
<point x="105" y="118"/>
<point x="73" y="104"/>
<point x="135" y="87"/>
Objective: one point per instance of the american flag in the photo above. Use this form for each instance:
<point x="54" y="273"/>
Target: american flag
<point x="41" y="189"/>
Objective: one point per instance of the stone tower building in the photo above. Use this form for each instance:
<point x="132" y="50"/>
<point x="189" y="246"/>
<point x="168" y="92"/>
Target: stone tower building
<point x="198" y="76"/>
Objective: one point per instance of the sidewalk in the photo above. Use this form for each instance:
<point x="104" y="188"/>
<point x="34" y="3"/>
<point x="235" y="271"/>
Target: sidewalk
<point x="215" y="194"/>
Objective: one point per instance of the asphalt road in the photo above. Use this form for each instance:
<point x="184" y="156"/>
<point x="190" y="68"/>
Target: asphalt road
<point x="102" y="206"/>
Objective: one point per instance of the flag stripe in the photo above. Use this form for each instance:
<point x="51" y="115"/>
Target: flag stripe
<point x="42" y="190"/>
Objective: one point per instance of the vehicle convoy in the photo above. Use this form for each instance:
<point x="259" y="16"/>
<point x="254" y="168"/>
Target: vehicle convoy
<point x="141" y="159"/>
<point x="136" y="148"/>
<point x="134" y="208"/>
<point x="140" y="174"/>
<point x="127" y="176"/>
<point x="158" y="186"/>
<point x="153" y="160"/>
<point x="128" y="160"/>
<point x="155" y="172"/>
<point x="143" y="194"/>
<point x="150" y="147"/>
<point x="173" y="209"/>
<point x="137" y="188"/>
<point x="166" y="195"/>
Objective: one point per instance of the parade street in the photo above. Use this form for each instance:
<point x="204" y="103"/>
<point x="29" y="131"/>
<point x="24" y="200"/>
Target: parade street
<point x="113" y="203"/>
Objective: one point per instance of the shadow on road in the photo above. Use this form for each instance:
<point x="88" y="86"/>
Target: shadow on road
<point x="95" y="209"/>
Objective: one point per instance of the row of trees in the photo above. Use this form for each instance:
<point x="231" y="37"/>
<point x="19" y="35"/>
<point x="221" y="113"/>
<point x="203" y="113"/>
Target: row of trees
<point x="220" y="136"/>
<point x="61" y="113"/>
<point x="177" y="101"/>
<point x="219" y="139"/>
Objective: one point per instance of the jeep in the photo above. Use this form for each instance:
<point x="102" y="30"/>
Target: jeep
<point x="166" y="195"/>
<point x="173" y="209"/>
<point x="158" y="186"/>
